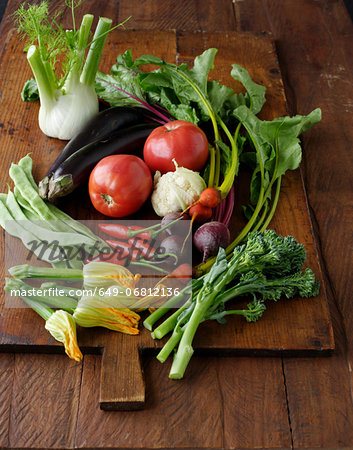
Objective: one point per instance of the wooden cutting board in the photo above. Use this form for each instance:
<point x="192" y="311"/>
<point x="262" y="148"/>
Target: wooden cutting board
<point x="298" y="326"/>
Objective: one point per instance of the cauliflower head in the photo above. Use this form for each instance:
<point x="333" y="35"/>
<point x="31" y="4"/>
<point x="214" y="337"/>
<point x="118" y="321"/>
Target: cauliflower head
<point x="175" y="191"/>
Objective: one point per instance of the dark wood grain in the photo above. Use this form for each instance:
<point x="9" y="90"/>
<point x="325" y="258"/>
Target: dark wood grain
<point x="319" y="402"/>
<point x="198" y="15"/>
<point x="228" y="409"/>
<point x="176" y="414"/>
<point x="316" y="67"/>
<point x="44" y="401"/>
<point x="258" y="403"/>
<point x="6" y="384"/>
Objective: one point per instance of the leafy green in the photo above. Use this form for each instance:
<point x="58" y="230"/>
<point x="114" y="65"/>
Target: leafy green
<point x="30" y="91"/>
<point x="186" y="93"/>
<point x="254" y="97"/>
<point x="188" y="86"/>
<point x="122" y="86"/>
<point x="285" y="129"/>
<point x="276" y="148"/>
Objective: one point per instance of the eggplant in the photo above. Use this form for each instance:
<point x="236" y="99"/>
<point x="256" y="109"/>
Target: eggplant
<point x="76" y="169"/>
<point x="99" y="127"/>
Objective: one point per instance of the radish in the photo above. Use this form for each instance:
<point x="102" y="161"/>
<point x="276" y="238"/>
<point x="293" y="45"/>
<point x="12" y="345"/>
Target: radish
<point x="210" y="197"/>
<point x="200" y="213"/>
<point x="171" y="246"/>
<point x="209" y="237"/>
<point x="171" y="221"/>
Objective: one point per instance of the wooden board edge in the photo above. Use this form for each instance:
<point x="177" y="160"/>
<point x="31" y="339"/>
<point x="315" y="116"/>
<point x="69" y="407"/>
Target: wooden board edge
<point x="319" y="259"/>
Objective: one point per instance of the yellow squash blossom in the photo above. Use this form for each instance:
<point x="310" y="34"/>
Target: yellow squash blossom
<point x="61" y="325"/>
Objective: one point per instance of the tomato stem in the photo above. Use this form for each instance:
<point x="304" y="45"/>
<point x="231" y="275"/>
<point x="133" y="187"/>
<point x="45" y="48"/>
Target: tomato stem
<point x="107" y="199"/>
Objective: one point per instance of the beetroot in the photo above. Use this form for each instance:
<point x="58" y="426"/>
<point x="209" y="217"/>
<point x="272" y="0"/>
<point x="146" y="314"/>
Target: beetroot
<point x="209" y="237"/>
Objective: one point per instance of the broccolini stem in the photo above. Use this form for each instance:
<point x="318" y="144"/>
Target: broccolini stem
<point x="185" y="350"/>
<point x="168" y="325"/>
<point x="159" y="312"/>
<point x="233" y="292"/>
<point x="171" y="343"/>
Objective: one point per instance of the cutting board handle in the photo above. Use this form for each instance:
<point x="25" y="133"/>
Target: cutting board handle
<point x="122" y="386"/>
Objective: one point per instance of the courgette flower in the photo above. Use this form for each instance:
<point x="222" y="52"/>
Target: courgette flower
<point x="98" y="275"/>
<point x="61" y="325"/>
<point x="100" y="311"/>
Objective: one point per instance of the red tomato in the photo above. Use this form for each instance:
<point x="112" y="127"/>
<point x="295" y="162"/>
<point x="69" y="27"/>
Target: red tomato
<point x="181" y="140"/>
<point x="119" y="185"/>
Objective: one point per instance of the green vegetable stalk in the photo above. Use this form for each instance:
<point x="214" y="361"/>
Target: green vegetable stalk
<point x="267" y="267"/>
<point x="276" y="149"/>
<point x="103" y="301"/>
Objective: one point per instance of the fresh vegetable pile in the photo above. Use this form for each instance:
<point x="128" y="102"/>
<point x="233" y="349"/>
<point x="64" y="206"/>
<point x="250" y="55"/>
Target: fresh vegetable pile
<point x="170" y="137"/>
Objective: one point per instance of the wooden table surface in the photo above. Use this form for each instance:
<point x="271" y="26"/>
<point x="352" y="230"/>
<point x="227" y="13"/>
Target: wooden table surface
<point x="48" y="401"/>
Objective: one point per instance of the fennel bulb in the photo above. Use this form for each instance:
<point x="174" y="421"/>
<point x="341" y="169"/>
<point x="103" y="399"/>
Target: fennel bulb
<point x="66" y="115"/>
<point x="64" y="75"/>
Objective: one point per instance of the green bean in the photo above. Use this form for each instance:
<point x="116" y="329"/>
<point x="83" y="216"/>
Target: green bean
<point x="74" y="224"/>
<point x="39" y="206"/>
<point x="26" y="236"/>
<point x="6" y="217"/>
<point x="22" y="202"/>
<point x="27" y="165"/>
<point x="14" y="207"/>
<point x="29" y="193"/>
<point x="66" y="239"/>
<point x="46" y="209"/>
<point x="37" y="222"/>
